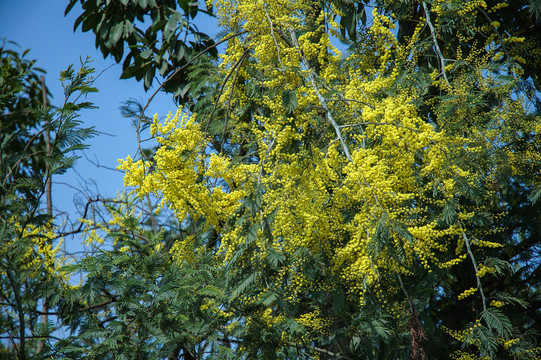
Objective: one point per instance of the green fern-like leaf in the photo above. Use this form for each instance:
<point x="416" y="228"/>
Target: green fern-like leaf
<point x="289" y="100"/>
<point x="497" y="321"/>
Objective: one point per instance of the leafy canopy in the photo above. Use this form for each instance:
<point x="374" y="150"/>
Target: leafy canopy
<point x="347" y="186"/>
<point x="373" y="198"/>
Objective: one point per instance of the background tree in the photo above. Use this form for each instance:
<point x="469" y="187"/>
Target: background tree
<point x="159" y="36"/>
<point x="29" y="273"/>
<point x="22" y="95"/>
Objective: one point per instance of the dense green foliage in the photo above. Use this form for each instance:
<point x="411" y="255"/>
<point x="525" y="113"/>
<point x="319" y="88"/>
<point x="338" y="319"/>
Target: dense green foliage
<point x="20" y="112"/>
<point x="157" y="47"/>
<point x="379" y="204"/>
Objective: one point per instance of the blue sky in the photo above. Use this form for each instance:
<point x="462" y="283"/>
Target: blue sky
<point x="40" y="25"/>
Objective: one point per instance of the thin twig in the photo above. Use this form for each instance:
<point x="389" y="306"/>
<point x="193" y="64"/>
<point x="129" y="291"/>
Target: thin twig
<point x="380" y="123"/>
<point x="185" y="65"/>
<point x="474" y="262"/>
<point x="496" y="30"/>
<point x="20" y="312"/>
<point x="15" y="167"/>
<point x="435" y="41"/>
<point x="33" y="337"/>
<point x="318" y="349"/>
<point x="78" y="230"/>
<point x="169" y="78"/>
<point x="97" y="164"/>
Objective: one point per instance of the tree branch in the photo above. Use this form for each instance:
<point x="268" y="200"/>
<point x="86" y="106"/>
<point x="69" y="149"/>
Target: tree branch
<point x="474" y="262"/>
<point x="184" y="66"/>
<point x="141" y="115"/>
<point x="272" y="34"/>
<point x="320" y="97"/>
<point x="353" y="100"/>
<point x="435" y="41"/>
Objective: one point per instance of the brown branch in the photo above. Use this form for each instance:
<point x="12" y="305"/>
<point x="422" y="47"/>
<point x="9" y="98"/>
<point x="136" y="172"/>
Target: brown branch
<point x="102" y="304"/>
<point x="32" y="310"/>
<point x="417" y="332"/>
<point x="318" y="349"/>
<point x="33" y="337"/>
<point x="49" y="203"/>
<point x="101" y="323"/>
<point x="90" y="201"/>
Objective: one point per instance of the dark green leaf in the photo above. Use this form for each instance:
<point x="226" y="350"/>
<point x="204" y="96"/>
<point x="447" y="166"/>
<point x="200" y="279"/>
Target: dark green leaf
<point x="289" y="100"/>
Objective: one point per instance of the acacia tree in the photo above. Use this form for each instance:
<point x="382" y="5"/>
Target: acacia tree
<point x="378" y="202"/>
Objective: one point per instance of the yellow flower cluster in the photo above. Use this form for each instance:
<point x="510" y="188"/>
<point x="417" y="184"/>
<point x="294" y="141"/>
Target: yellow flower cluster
<point x="461" y="335"/>
<point x="184" y="250"/>
<point x="315" y="322"/>
<point x="180" y="161"/>
<point x="471" y="6"/>
<point x="468" y="292"/>
<point x="42" y="256"/>
<point x="498" y="6"/>
<point x="270" y="318"/>
<point x="484" y="270"/>
<point x="497" y="303"/>
<point x="463" y="355"/>
<point x="509" y="343"/>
